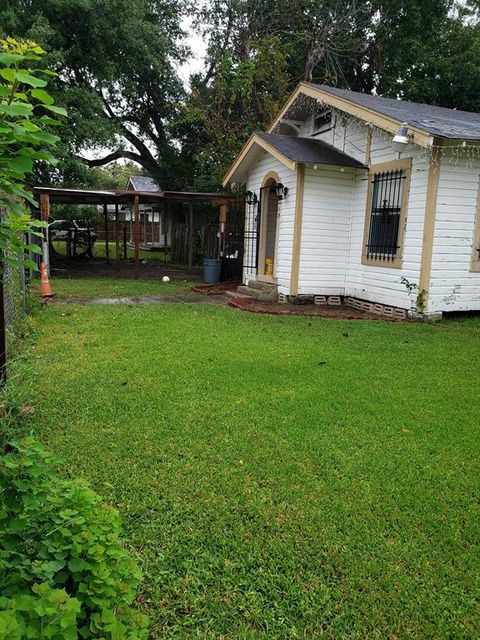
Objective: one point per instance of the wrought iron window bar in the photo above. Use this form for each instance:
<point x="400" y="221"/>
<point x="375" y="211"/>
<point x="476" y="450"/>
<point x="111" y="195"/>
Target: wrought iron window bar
<point x="385" y="215"/>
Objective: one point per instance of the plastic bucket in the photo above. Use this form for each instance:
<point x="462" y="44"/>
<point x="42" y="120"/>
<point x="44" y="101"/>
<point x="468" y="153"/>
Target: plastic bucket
<point x="212" y="270"/>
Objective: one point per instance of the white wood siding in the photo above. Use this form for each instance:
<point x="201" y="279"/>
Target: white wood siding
<point x="324" y="244"/>
<point x="349" y="138"/>
<point x="286" y="214"/>
<point x="383" y="284"/>
<point x="334" y="219"/>
<point x="453" y="287"/>
<point x="369" y="282"/>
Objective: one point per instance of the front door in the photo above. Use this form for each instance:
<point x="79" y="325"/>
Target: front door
<point x="268" y="231"/>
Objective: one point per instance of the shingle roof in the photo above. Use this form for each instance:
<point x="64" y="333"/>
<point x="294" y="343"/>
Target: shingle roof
<point x="144" y="183"/>
<point x="309" y="150"/>
<point x="440" y="122"/>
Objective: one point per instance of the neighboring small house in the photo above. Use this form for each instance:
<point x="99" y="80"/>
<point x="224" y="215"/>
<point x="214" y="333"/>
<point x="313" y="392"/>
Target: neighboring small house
<point x="155" y="221"/>
<point x="369" y="200"/>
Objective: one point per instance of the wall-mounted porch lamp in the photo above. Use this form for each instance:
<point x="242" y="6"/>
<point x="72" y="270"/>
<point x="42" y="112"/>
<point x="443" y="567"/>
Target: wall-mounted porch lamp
<point x="251" y="198"/>
<point x="402" y="137"/>
<point x="281" y="191"/>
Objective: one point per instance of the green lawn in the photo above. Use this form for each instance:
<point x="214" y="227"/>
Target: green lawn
<point x="151" y="256"/>
<point x="278" y="477"/>
<point x="84" y="288"/>
<point x="99" y="251"/>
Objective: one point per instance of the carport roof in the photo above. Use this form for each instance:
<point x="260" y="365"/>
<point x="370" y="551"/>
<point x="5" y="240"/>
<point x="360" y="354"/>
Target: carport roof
<point x="59" y="195"/>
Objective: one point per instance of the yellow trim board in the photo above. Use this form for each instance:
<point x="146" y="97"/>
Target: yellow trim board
<point x="255" y="139"/>
<point x="475" y="262"/>
<point x="297" y="230"/>
<point x="264" y="210"/>
<point x="429" y="221"/>
<point x="380" y="120"/>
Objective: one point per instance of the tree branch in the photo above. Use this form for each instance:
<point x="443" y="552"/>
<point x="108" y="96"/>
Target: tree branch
<point x="134" y="140"/>
<point x="115" y="155"/>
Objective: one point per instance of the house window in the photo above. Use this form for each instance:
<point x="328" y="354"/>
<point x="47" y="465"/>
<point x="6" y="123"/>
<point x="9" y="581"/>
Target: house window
<point x="322" y="122"/>
<point x="386" y="213"/>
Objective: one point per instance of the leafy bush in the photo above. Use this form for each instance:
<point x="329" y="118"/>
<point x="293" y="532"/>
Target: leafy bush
<point x="63" y="570"/>
<point x="26" y="110"/>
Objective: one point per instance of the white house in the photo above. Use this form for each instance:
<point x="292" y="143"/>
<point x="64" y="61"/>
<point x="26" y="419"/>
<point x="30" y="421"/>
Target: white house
<point x="362" y="199"/>
<point x="155" y="219"/>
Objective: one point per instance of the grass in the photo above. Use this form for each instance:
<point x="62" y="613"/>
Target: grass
<point x="99" y="251"/>
<point x="278" y="477"/>
<point x="84" y="288"/>
<point x="151" y="256"/>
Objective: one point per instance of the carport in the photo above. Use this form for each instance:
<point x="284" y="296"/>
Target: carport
<point x="116" y="198"/>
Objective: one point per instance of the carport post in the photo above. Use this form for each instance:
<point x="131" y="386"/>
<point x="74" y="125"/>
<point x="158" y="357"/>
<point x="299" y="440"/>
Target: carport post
<point x="105" y="215"/>
<point x="190" y="235"/>
<point x="137" y="234"/>
<point x="164" y="228"/>
<point x="117" y="239"/>
<point x="221" y="229"/>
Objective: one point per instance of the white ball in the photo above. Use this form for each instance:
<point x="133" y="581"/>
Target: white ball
<point x="166" y="279"/>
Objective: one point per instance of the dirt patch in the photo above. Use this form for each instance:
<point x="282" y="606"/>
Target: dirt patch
<point x="217" y="289"/>
<point x="186" y="298"/>
<point x="310" y="310"/>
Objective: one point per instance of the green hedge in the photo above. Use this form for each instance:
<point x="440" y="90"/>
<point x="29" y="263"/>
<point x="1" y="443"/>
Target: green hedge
<point x="64" y="573"/>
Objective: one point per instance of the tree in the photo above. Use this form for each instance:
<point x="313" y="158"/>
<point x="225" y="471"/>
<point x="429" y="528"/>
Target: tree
<point x="257" y="52"/>
<point x="243" y="96"/>
<point x="115" y="60"/>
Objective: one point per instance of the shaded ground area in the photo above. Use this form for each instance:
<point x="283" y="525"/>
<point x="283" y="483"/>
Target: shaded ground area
<point x="124" y="269"/>
<point x="279" y="477"/>
<point x="77" y="289"/>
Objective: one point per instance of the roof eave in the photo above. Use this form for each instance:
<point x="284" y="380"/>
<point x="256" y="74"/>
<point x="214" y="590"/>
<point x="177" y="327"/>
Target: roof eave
<point x="254" y="139"/>
<point x="421" y="136"/>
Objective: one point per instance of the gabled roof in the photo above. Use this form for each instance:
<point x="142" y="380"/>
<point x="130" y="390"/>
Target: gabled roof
<point x="309" y="150"/>
<point x="289" y="151"/>
<point x="425" y="121"/>
<point x="440" y="122"/>
<point x="144" y="183"/>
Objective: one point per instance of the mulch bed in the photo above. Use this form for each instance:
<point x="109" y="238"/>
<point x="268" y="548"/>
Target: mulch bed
<point x="217" y="289"/>
<point x="309" y="310"/>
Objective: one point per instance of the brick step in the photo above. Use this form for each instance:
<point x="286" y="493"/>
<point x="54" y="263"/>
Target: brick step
<point x="237" y="294"/>
<point x="268" y="287"/>
<point x="258" y="294"/>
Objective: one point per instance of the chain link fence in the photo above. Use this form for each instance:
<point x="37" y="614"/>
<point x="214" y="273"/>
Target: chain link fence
<point x="13" y="304"/>
<point x="14" y="295"/>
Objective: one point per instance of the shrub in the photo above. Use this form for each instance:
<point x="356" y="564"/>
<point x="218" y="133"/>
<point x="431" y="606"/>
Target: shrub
<point x="64" y="572"/>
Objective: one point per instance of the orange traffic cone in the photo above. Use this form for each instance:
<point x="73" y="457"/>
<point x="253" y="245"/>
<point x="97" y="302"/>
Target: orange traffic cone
<point x="45" y="287"/>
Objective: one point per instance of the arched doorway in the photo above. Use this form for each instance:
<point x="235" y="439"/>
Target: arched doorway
<point x="268" y="228"/>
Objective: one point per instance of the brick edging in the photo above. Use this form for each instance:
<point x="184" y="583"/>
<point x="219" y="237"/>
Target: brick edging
<point x="291" y="310"/>
<point x="217" y="289"/>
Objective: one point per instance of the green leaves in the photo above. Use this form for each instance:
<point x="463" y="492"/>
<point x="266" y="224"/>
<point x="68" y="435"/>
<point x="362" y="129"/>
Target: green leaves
<point x="24" y="140"/>
<point x="42" y="96"/>
<point x="8" y="74"/>
<point x="58" y="110"/>
<point x="64" y="572"/>
<point x="30" y="80"/>
<point x="15" y="108"/>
